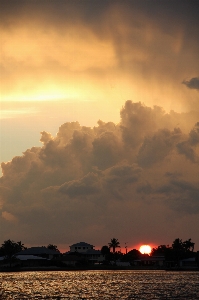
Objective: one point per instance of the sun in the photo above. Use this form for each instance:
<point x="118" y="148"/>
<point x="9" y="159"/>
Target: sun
<point x="145" y="249"/>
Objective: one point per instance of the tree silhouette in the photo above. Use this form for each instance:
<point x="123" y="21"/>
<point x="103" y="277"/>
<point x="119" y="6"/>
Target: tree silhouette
<point x="182" y="249"/>
<point x="188" y="245"/>
<point x="179" y="250"/>
<point x="177" y="245"/>
<point x="114" y="244"/>
<point x="52" y="247"/>
<point x="105" y="250"/>
<point x="160" y="250"/>
<point x="10" y="248"/>
<point x="132" y="255"/>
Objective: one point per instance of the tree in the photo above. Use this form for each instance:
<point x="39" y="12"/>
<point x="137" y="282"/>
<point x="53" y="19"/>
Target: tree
<point x="182" y="249"/>
<point x="114" y="244"/>
<point x="177" y="245"/>
<point x="10" y="248"/>
<point x="52" y="247"/>
<point x="188" y="245"/>
<point x="160" y="250"/>
<point x="105" y="250"/>
<point x="132" y="255"/>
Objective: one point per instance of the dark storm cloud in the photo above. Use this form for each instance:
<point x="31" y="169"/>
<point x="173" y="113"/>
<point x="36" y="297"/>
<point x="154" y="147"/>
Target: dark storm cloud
<point x="157" y="147"/>
<point x="55" y="13"/>
<point x="187" y="150"/>
<point x="86" y="186"/>
<point x="80" y="176"/>
<point x="192" y="83"/>
<point x="189" y="147"/>
<point x="127" y="24"/>
<point x="185" y="9"/>
<point x="182" y="195"/>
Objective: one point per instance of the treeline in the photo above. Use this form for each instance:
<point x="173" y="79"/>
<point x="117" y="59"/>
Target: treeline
<point x="177" y="251"/>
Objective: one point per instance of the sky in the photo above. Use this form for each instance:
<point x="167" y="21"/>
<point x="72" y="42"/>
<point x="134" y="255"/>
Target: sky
<point x="99" y="121"/>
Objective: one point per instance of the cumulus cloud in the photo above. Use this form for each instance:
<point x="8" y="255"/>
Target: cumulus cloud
<point x="192" y="83"/>
<point x="189" y="147"/>
<point x="157" y="147"/>
<point x="85" y="186"/>
<point x="86" y="180"/>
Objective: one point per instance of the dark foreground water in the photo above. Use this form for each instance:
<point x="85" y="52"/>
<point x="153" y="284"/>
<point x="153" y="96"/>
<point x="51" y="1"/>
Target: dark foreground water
<point x="100" y="285"/>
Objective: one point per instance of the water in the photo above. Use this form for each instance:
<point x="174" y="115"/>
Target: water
<point x="106" y="285"/>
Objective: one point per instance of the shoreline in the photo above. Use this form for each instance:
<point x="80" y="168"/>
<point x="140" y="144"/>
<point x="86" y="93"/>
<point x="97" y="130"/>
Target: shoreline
<point x="91" y="268"/>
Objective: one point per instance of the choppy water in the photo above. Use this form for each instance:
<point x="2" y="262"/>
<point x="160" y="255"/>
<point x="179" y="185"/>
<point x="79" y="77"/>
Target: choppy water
<point x="106" y="285"/>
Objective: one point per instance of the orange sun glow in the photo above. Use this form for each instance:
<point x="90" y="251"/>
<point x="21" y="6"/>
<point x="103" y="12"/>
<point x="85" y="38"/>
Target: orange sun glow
<point x="145" y="249"/>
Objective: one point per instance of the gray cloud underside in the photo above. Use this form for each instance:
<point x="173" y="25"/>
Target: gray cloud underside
<point x="193" y="83"/>
<point x="99" y="178"/>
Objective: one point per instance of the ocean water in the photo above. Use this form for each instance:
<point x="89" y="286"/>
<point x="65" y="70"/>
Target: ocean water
<point x="82" y="285"/>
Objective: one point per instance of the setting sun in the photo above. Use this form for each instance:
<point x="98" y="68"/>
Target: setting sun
<point x="145" y="249"/>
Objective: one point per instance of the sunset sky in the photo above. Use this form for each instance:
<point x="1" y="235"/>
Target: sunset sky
<point x="99" y="121"/>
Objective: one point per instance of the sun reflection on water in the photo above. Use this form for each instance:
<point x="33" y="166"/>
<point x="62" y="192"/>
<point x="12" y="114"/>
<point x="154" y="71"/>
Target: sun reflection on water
<point x="99" y="285"/>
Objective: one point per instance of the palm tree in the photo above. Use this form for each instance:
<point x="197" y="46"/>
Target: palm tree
<point x="114" y="244"/>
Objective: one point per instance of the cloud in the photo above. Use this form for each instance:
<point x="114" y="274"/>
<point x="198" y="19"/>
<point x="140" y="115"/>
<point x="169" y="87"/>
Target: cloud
<point x="9" y="217"/>
<point x="87" y="185"/>
<point x="192" y="83"/>
<point x="123" y="50"/>
<point x="157" y="147"/>
<point x="110" y="179"/>
<point x="182" y="195"/>
<point x="45" y="137"/>
<point x="189" y="147"/>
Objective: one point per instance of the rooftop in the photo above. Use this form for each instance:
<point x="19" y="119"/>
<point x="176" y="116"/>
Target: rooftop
<point x="37" y="251"/>
<point x="82" y="244"/>
<point x="27" y="257"/>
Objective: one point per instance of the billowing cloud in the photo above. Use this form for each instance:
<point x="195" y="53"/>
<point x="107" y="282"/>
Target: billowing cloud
<point x="189" y="147"/>
<point x="192" y="83"/>
<point x="95" y="182"/>
<point x="85" y="186"/>
<point x="157" y="147"/>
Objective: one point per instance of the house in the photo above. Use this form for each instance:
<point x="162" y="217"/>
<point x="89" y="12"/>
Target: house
<point x="24" y="261"/>
<point x="189" y="263"/>
<point x="71" y="260"/>
<point x="32" y="260"/>
<point x="87" y="252"/>
<point x="119" y="263"/>
<point x="94" y="256"/>
<point x="146" y="260"/>
<point x="81" y="247"/>
<point x="41" y="252"/>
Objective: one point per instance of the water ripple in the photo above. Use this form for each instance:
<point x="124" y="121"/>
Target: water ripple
<point x="106" y="285"/>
